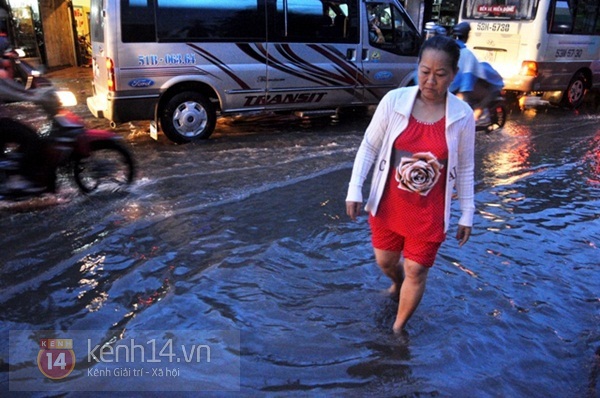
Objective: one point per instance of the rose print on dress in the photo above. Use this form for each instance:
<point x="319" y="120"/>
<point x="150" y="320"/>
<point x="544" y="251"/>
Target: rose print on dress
<point x="418" y="173"/>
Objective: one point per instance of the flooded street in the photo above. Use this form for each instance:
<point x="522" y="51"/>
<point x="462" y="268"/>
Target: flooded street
<point x="247" y="232"/>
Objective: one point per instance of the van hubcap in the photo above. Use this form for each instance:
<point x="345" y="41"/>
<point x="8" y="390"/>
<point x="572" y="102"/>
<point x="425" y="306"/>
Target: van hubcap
<point x="190" y="119"/>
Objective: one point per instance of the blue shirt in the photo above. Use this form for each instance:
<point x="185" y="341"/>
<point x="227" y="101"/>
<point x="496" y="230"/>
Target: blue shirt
<point x="470" y="70"/>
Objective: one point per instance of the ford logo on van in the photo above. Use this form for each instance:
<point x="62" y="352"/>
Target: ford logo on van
<point x="141" y="83"/>
<point x="384" y="75"/>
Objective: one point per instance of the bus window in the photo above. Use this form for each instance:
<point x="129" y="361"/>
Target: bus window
<point x="210" y="20"/>
<point x="562" y="21"/>
<point x="587" y="17"/>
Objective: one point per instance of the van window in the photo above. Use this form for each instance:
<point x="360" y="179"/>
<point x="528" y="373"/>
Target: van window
<point x="301" y="21"/>
<point x="97" y="22"/>
<point x="399" y="33"/>
<point x="310" y="21"/>
<point x="137" y="21"/>
<point x="182" y="20"/>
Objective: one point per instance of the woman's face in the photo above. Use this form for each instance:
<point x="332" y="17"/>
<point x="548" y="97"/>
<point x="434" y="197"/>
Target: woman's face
<point x="435" y="74"/>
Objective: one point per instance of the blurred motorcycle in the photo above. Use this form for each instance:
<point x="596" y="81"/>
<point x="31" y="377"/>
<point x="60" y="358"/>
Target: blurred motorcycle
<point x="97" y="159"/>
<point x="497" y="111"/>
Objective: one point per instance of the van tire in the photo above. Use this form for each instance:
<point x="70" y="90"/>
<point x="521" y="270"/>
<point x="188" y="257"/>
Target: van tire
<point x="575" y="92"/>
<point x="188" y="116"/>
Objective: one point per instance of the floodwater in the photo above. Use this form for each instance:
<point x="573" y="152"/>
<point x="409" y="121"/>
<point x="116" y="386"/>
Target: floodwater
<point x="247" y="233"/>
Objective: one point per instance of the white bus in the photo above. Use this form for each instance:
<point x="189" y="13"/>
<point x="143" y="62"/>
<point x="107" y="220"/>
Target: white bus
<point x="544" y="48"/>
<point x="180" y="63"/>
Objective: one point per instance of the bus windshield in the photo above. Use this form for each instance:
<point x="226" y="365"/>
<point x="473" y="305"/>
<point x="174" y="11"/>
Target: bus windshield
<point x="500" y="9"/>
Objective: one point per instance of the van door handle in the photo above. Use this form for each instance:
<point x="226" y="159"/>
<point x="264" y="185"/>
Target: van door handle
<point x="351" y="54"/>
<point x="365" y="54"/>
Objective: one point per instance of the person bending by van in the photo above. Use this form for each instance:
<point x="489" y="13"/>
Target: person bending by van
<point x="421" y="143"/>
<point x="476" y="82"/>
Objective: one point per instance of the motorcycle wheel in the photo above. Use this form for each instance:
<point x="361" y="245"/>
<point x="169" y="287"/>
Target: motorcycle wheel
<point x="109" y="166"/>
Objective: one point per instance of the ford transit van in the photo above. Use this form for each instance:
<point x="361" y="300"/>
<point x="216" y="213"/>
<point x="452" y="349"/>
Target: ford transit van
<point x="180" y="63"/>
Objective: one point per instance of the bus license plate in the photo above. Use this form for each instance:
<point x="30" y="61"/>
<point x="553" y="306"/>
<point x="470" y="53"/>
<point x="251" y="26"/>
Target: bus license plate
<point x="499" y="27"/>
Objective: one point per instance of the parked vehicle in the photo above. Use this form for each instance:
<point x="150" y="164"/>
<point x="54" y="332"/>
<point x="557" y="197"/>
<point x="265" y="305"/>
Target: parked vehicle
<point x="181" y="63"/>
<point x="85" y="51"/>
<point x="97" y="158"/>
<point x="22" y="71"/>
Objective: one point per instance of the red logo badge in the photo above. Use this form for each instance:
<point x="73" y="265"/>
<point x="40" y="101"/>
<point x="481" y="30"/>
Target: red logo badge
<point x="56" y="359"/>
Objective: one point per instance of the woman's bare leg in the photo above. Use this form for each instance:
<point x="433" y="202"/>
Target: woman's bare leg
<point x="411" y="292"/>
<point x="389" y="262"/>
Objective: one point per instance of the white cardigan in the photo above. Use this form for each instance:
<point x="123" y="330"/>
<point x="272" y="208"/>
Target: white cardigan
<point x="389" y="121"/>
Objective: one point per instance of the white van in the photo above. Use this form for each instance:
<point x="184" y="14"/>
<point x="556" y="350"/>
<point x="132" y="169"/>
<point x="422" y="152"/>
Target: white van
<point x="180" y="62"/>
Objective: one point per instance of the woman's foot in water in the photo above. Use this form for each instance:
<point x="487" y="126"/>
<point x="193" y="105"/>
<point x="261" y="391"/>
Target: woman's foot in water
<point x="398" y="328"/>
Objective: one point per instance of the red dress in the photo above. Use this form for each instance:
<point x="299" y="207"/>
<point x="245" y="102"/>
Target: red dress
<point x="413" y="199"/>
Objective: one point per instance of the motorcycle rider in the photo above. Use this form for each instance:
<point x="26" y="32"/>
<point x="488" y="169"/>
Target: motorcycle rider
<point x="14" y="131"/>
<point x="476" y="82"/>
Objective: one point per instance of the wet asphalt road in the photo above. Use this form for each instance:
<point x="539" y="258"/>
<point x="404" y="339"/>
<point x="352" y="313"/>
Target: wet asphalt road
<point x="246" y="232"/>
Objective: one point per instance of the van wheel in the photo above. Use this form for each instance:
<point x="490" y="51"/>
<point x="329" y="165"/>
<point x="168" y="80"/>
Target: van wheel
<point x="188" y="116"/>
<point x="575" y="92"/>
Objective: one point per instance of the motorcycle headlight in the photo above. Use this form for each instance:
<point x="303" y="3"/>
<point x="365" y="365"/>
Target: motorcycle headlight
<point x="66" y="98"/>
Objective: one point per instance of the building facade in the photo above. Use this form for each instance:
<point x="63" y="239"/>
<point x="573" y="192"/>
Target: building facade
<point x="48" y="31"/>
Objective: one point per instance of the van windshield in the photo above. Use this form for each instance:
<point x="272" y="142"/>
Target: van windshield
<point x="500" y="9"/>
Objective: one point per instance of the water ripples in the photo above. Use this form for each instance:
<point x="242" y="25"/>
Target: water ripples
<point x="256" y="240"/>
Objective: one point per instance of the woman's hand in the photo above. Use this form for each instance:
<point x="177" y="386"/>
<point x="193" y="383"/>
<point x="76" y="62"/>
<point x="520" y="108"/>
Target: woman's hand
<point x="463" y="234"/>
<point x="353" y="209"/>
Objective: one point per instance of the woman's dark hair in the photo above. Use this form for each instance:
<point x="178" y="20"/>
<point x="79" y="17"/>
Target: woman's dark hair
<point x="443" y="43"/>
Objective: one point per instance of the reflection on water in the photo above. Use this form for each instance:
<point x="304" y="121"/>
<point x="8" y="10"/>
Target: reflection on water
<point x="509" y="163"/>
<point x="590" y="169"/>
<point x="248" y="233"/>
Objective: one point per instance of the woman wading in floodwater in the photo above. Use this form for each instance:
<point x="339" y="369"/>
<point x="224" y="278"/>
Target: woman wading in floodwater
<point x="421" y="143"/>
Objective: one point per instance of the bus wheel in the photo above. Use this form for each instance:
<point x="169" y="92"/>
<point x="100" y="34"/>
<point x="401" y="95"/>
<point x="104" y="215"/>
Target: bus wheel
<point x="188" y="116"/>
<point x="575" y="92"/>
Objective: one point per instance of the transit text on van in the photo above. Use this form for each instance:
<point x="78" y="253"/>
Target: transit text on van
<point x="303" y="98"/>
